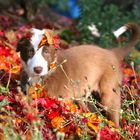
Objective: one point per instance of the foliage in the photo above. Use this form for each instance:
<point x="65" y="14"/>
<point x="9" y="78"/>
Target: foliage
<point x="106" y="17"/>
<point x="36" y="116"/>
<point x="63" y="4"/>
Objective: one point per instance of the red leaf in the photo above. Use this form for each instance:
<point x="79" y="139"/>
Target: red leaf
<point x="1" y="33"/>
<point x="1" y="97"/>
<point x="56" y="41"/>
<point x="30" y="117"/>
<point x="53" y="114"/>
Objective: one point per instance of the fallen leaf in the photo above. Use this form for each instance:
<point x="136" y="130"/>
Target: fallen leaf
<point x="16" y="69"/>
<point x="11" y="36"/>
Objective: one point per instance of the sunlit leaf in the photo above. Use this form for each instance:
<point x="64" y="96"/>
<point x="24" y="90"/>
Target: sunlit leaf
<point x="15" y="69"/>
<point x="4" y="102"/>
<point x="11" y="36"/>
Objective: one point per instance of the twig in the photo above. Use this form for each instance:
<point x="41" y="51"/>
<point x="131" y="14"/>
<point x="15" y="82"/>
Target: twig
<point x="9" y="79"/>
<point x="9" y="45"/>
<point x="132" y="65"/>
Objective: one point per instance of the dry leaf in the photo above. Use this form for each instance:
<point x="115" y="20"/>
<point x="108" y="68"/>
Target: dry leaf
<point x="11" y="36"/>
<point x="15" y="69"/>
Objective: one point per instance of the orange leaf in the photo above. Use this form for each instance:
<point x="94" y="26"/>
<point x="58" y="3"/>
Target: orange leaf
<point x="43" y="42"/>
<point x="93" y="121"/>
<point x="111" y="123"/>
<point x="79" y="131"/>
<point x="93" y="127"/>
<point x="4" y="64"/>
<point x="128" y="71"/>
<point x="37" y="91"/>
<point x="53" y="65"/>
<point x="15" y="69"/>
<point x="31" y="90"/>
<point x="57" y="123"/>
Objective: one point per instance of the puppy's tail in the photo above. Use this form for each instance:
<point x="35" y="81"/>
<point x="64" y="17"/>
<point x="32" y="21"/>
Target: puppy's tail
<point x="121" y="52"/>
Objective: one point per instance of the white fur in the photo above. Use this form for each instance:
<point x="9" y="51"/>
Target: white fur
<point x="36" y="37"/>
<point x="120" y="31"/>
<point x="35" y="61"/>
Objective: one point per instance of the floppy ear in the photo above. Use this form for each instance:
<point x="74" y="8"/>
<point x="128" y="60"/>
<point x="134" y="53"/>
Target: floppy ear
<point x="23" y="42"/>
<point x="20" y="44"/>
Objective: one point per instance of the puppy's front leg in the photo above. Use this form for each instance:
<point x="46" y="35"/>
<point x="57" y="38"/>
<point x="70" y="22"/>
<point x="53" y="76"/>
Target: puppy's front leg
<point x="112" y="105"/>
<point x="110" y="92"/>
<point x="24" y="81"/>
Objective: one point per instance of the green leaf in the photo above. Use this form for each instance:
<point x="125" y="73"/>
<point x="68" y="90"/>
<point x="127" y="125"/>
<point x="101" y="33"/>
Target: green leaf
<point x="103" y="124"/>
<point x="4" y="90"/>
<point x="4" y="102"/>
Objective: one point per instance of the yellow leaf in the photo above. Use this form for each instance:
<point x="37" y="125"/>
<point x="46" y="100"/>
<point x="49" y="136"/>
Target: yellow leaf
<point x="37" y="91"/>
<point x="15" y="69"/>
<point x="57" y="122"/>
<point x="10" y="35"/>
<point x="79" y="131"/>
<point x="49" y="37"/>
<point x="111" y="123"/>
<point x="31" y="90"/>
<point x="93" y="127"/>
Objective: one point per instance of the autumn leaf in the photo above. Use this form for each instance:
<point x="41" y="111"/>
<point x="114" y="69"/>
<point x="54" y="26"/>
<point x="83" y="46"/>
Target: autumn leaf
<point x="79" y="131"/>
<point x="15" y="69"/>
<point x="49" y="37"/>
<point x="1" y="97"/>
<point x="93" y="127"/>
<point x="4" y="65"/>
<point x="52" y="65"/>
<point x="128" y="71"/>
<point x="57" y="123"/>
<point x="43" y="42"/>
<point x="37" y="91"/>
<point x="11" y="36"/>
<point x="30" y="117"/>
<point x="1" y="33"/>
<point x="56" y="41"/>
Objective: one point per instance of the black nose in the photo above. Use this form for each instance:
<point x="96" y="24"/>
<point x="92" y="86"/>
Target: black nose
<point x="38" y="69"/>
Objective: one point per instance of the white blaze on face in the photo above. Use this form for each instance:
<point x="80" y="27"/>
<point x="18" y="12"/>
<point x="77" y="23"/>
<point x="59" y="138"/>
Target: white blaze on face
<point x="37" y="60"/>
<point x="36" y="37"/>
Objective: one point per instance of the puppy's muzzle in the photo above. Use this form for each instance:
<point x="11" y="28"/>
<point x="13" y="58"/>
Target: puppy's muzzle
<point x="38" y="69"/>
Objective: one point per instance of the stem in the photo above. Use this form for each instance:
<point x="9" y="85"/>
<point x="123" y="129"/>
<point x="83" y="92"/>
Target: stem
<point x="9" y="78"/>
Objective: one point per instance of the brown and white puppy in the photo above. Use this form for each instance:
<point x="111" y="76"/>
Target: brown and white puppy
<point x="86" y="66"/>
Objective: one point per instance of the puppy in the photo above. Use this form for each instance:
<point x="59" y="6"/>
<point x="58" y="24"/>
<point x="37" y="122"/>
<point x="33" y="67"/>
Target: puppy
<point x="79" y="70"/>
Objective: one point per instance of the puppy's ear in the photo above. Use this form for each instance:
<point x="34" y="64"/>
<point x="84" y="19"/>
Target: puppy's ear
<point x="20" y="44"/>
<point x="23" y="42"/>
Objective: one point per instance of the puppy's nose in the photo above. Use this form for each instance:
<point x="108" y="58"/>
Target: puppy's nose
<point x="38" y="69"/>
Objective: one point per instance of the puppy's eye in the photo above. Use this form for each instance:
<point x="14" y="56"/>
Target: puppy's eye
<point x="45" y="51"/>
<point x="30" y="52"/>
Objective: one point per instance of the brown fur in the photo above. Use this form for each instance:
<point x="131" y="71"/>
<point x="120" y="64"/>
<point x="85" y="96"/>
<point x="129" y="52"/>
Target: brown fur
<point x="101" y="69"/>
<point x="92" y="66"/>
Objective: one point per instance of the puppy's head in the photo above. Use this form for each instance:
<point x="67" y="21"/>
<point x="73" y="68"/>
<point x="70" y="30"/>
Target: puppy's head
<point x="37" y="51"/>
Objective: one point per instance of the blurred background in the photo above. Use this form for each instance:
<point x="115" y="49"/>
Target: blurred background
<point x="79" y="21"/>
